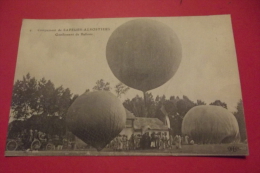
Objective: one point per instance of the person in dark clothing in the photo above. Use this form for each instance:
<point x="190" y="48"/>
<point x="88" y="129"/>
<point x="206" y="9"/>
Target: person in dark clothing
<point x="30" y="136"/>
<point x="131" y="142"/>
<point x="60" y="143"/>
<point x="137" y="139"/>
<point x="25" y="139"/>
<point x="153" y="140"/>
<point x="56" y="141"/>
<point x="157" y="140"/>
<point x="35" y="135"/>
<point x="142" y="142"/>
<point x="147" y="141"/>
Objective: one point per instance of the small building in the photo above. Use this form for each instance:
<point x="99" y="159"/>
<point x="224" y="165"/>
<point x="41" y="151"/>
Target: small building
<point x="140" y="125"/>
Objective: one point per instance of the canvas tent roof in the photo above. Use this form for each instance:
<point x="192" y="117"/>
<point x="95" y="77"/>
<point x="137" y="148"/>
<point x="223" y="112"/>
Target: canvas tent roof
<point x="152" y="123"/>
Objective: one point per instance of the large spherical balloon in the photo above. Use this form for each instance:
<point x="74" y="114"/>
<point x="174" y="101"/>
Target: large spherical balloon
<point x="210" y="124"/>
<point x="96" y="118"/>
<point x="143" y="53"/>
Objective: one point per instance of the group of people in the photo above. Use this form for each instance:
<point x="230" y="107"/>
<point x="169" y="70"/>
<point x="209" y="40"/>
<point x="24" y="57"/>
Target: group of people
<point x="155" y="141"/>
<point x="27" y="137"/>
<point x="120" y="143"/>
<point x="149" y="141"/>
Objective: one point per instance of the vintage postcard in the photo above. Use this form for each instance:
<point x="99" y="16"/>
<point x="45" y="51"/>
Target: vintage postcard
<point x="127" y="86"/>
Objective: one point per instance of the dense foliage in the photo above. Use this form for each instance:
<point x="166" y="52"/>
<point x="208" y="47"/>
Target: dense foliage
<point x="239" y="114"/>
<point x="32" y="97"/>
<point x="39" y="105"/>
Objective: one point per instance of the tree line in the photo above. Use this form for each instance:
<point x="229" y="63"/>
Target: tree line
<point x="38" y="104"/>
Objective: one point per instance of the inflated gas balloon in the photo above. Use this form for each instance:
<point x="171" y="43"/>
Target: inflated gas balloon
<point x="143" y="53"/>
<point x="96" y="118"/>
<point x="210" y="124"/>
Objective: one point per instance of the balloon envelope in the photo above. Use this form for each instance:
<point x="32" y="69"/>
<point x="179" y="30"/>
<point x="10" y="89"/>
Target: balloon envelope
<point x="96" y="118"/>
<point x="143" y="53"/>
<point x="210" y="124"/>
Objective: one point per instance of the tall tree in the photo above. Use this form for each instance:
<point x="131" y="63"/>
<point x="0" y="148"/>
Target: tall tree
<point x="35" y="102"/>
<point x="102" y="85"/>
<point x="48" y="97"/>
<point x="136" y="106"/>
<point x="63" y="102"/>
<point x="182" y="106"/>
<point x="171" y="107"/>
<point x="239" y="114"/>
<point x="120" y="89"/>
<point x="200" y="102"/>
<point x="25" y="97"/>
<point x="150" y="105"/>
<point x="219" y="103"/>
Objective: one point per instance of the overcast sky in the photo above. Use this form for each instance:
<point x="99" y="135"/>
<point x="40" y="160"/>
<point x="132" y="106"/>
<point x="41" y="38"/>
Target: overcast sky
<point x="208" y="70"/>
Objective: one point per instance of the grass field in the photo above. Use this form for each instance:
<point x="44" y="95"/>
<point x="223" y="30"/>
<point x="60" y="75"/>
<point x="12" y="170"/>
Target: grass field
<point x="186" y="150"/>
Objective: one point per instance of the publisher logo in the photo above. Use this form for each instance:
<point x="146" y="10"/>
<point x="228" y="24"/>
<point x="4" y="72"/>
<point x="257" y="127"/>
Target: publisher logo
<point x="233" y="148"/>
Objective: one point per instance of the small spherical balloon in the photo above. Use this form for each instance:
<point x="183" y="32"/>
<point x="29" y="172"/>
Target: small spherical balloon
<point x="143" y="54"/>
<point x="96" y="118"/>
<point x="210" y="124"/>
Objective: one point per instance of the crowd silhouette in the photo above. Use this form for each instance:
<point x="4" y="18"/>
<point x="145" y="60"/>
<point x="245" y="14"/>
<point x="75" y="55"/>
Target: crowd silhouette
<point x="154" y="140"/>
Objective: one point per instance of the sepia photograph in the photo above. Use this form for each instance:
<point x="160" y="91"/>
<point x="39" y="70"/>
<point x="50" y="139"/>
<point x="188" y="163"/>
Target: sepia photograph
<point x="150" y="86"/>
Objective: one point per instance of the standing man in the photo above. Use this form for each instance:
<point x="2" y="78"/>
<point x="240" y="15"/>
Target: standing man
<point x="147" y="140"/>
<point x="162" y="145"/>
<point x="30" y="136"/>
<point x="25" y="139"/>
<point x="124" y="142"/>
<point x="186" y="138"/>
<point x="157" y="141"/>
<point x="120" y="144"/>
<point x="136" y="142"/>
<point x="176" y="139"/>
<point x="35" y="135"/>
<point x="153" y="140"/>
<point x="180" y="140"/>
